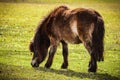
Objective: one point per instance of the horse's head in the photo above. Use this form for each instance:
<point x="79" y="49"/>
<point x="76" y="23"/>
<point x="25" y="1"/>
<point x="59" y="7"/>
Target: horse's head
<point x="37" y="57"/>
<point x="39" y="52"/>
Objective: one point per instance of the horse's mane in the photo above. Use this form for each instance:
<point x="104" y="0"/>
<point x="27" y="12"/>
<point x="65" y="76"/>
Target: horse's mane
<point x="48" y="20"/>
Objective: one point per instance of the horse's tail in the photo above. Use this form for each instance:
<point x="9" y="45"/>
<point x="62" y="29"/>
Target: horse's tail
<point x="98" y="39"/>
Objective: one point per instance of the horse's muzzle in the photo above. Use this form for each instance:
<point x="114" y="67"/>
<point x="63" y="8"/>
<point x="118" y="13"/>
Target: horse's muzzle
<point x="34" y="64"/>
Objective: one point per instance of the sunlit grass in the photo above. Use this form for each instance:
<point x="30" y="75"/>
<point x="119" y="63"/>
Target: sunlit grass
<point x="18" y="22"/>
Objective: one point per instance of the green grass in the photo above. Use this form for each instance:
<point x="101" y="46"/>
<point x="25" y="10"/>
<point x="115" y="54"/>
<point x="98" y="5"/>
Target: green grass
<point x="18" y="22"/>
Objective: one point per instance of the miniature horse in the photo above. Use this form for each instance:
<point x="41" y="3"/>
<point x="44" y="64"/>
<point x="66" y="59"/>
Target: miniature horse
<point x="74" y="26"/>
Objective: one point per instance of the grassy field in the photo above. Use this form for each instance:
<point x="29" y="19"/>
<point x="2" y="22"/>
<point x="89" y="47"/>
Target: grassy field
<point x="18" y="22"/>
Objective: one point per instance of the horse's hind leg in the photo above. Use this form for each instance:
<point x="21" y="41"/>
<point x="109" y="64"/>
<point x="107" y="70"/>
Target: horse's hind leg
<point x="51" y="55"/>
<point x="65" y="54"/>
<point x="93" y="62"/>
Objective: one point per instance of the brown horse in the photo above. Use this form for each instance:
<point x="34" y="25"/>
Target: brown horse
<point x="74" y="26"/>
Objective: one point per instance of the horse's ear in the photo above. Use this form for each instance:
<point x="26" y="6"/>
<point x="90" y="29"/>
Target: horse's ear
<point x="31" y="47"/>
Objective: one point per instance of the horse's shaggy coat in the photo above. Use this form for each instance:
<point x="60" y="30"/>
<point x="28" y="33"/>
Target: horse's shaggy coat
<point x="69" y="26"/>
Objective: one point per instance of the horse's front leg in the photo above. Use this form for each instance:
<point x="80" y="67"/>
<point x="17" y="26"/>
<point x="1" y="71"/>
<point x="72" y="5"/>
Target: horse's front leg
<point x="65" y="54"/>
<point x="51" y="56"/>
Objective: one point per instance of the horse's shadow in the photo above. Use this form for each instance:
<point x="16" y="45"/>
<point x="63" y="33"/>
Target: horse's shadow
<point x="71" y="73"/>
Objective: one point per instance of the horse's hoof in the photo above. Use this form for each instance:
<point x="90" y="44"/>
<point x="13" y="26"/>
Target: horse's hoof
<point x="47" y="65"/>
<point x="91" y="70"/>
<point x="64" y="66"/>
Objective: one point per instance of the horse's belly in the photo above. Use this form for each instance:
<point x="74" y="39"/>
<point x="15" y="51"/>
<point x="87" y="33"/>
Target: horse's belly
<point x="72" y="40"/>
